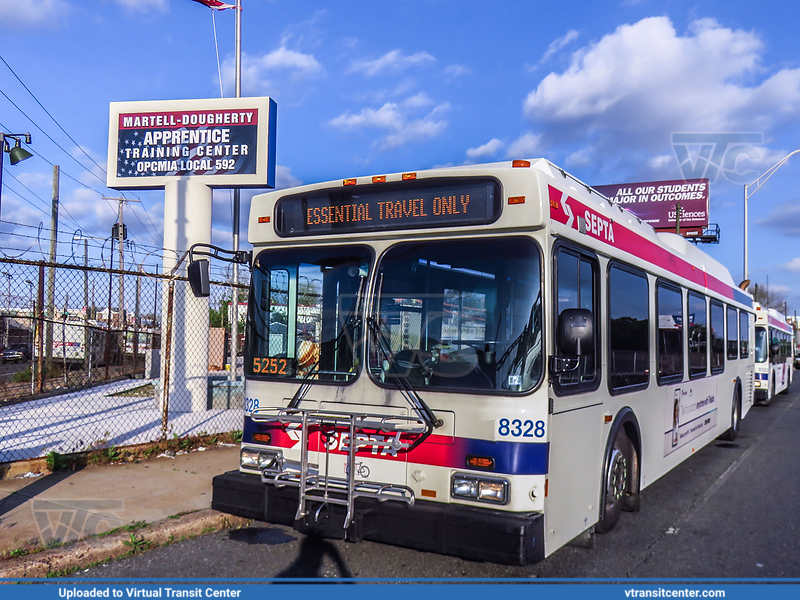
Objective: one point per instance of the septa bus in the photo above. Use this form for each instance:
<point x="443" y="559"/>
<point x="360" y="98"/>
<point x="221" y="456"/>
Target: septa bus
<point x="488" y="361"/>
<point x="774" y="354"/>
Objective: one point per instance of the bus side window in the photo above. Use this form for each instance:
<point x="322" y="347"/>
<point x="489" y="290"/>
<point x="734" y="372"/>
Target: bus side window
<point x="717" y="337"/>
<point x="744" y="334"/>
<point x="628" y="329"/>
<point x="669" y="304"/>
<point x="698" y="356"/>
<point x="576" y="287"/>
<point x="731" y="334"/>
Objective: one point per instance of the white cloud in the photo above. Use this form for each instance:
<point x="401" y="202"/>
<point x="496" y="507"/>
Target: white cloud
<point x="578" y="158"/>
<point x="272" y="71"/>
<point x="401" y="122"/>
<point x="143" y="6"/>
<point x="558" y="44"/>
<point x="782" y="290"/>
<point x="490" y="148"/>
<point x="283" y="58"/>
<point x="391" y="62"/>
<point x="661" y="161"/>
<point x="376" y="96"/>
<point x="284" y="178"/>
<point x="527" y="145"/>
<point x="783" y="217"/>
<point x="793" y="265"/>
<point x="637" y="85"/>
<point x="32" y="13"/>
<point x="455" y="71"/>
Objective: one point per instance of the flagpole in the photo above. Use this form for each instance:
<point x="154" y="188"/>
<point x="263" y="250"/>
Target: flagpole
<point x="236" y="207"/>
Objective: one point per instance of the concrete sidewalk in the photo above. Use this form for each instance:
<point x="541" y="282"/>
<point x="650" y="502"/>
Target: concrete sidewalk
<point x="157" y="501"/>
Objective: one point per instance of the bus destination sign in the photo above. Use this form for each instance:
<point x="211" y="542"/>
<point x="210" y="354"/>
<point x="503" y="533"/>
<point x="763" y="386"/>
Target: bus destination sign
<point x="392" y="207"/>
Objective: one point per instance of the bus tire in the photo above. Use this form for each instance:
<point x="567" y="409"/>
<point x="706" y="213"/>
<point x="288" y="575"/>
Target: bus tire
<point x="736" y="418"/>
<point x="616" y="482"/>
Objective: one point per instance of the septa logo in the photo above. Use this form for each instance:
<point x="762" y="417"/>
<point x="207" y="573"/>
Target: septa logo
<point x="560" y="210"/>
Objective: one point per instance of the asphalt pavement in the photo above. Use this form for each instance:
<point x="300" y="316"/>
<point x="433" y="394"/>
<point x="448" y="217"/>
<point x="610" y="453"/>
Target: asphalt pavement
<point x="744" y="521"/>
<point x="141" y="504"/>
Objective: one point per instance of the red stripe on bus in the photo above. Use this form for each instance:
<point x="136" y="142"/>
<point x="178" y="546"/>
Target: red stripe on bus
<point x="631" y="242"/>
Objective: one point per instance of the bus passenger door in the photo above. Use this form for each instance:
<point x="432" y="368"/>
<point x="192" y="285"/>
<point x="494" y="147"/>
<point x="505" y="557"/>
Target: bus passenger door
<point x="576" y="407"/>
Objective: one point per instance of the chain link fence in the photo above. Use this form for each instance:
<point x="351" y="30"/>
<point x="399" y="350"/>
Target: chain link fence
<point x="96" y="358"/>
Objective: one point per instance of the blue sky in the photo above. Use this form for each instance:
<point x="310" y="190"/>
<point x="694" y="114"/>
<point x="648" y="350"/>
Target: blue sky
<point x="376" y="87"/>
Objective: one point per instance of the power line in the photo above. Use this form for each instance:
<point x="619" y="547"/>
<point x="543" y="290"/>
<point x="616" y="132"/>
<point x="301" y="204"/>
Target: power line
<point x="48" y="136"/>
<point x="35" y="195"/>
<point x="51" y="116"/>
<point x="66" y="174"/>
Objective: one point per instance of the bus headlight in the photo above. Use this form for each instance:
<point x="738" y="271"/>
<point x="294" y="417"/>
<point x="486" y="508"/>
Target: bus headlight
<point x="481" y="489"/>
<point x="261" y="459"/>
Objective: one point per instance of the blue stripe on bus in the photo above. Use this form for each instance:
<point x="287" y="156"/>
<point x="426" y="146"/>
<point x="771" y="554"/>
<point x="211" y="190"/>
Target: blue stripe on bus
<point x="740" y="296"/>
<point x="510" y="458"/>
<point x="513" y="458"/>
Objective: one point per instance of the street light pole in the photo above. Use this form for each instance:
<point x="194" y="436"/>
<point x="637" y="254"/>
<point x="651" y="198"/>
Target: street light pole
<point x="747" y="194"/>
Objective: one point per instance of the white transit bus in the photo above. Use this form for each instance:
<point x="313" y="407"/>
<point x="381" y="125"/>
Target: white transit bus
<point x="488" y="361"/>
<point x="774" y="354"/>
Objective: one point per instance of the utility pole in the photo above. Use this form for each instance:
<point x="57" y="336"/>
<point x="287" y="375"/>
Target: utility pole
<point x="51" y="273"/>
<point x="122" y="235"/>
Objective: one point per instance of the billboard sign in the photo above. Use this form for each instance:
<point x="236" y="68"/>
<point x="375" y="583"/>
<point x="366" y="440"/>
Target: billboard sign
<point x="227" y="142"/>
<point x="655" y="202"/>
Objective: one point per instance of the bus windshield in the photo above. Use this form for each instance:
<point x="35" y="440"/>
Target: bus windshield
<point x="461" y="314"/>
<point x="304" y="313"/>
<point x="762" y="352"/>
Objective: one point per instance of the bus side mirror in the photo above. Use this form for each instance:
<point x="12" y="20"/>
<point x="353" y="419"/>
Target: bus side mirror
<point x="576" y="332"/>
<point x="198" y="278"/>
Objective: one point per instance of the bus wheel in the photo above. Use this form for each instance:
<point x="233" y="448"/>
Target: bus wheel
<point x="616" y="482"/>
<point x="736" y="419"/>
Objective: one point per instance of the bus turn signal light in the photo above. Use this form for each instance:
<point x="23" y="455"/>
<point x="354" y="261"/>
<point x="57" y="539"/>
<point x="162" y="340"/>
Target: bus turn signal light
<point x="516" y="199"/>
<point x="263" y="219"/>
<point x="480" y="462"/>
<point x="521" y="163"/>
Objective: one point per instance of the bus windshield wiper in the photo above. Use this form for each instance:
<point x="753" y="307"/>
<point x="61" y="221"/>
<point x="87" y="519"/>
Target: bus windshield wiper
<point x="351" y="321"/>
<point x="405" y="387"/>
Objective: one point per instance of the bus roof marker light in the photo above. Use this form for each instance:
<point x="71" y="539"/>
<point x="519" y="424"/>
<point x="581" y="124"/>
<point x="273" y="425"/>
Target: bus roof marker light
<point x="520" y="163"/>
<point x="263" y="219"/>
<point x="349" y="181"/>
<point x="407" y="176"/>
<point x="516" y="199"/>
<point x="379" y="179"/>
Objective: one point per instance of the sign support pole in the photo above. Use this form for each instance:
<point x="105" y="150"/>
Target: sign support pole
<point x="187" y="221"/>
<point x="236" y="211"/>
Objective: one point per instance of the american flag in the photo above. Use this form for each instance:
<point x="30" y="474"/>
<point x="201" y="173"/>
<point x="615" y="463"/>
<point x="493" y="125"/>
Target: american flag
<point x="215" y="4"/>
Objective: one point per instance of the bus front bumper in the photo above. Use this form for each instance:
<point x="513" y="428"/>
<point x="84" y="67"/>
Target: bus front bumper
<point x="474" y="533"/>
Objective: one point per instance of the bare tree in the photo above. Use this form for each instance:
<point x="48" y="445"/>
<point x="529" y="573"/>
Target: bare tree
<point x="767" y="298"/>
